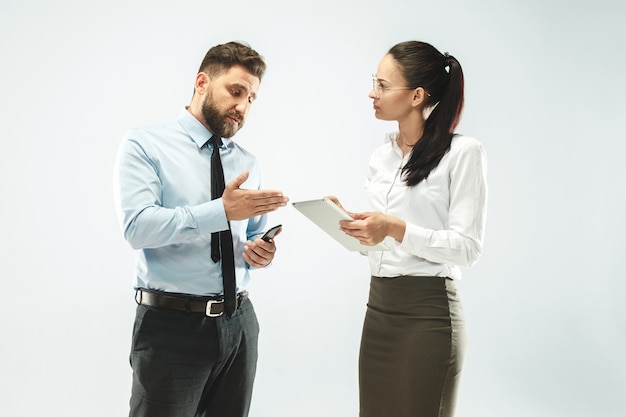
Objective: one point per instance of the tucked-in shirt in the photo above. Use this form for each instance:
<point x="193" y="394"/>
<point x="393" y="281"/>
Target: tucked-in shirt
<point x="444" y="214"/>
<point x="163" y="188"/>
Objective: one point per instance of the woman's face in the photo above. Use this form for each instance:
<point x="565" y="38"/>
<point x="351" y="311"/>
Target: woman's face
<point x="391" y="94"/>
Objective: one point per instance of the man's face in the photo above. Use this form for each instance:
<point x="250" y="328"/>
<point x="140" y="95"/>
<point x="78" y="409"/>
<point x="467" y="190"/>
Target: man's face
<point x="228" y="100"/>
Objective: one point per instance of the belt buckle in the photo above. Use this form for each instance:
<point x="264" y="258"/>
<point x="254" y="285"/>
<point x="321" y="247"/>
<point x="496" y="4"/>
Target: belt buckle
<point x="209" y="304"/>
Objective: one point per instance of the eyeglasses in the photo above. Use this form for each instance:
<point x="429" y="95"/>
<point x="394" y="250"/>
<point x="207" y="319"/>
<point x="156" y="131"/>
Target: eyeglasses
<point x="378" y="87"/>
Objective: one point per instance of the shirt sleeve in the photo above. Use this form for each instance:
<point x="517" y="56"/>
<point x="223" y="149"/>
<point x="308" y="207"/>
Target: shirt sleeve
<point x="460" y="243"/>
<point x="145" y="222"/>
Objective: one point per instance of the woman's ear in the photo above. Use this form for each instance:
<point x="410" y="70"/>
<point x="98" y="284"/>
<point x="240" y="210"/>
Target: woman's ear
<point x="419" y="97"/>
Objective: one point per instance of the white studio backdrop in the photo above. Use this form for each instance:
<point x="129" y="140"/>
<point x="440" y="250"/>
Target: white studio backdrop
<point x="544" y="93"/>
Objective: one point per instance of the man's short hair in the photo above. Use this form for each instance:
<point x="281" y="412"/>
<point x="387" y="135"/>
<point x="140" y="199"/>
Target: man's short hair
<point x="221" y="58"/>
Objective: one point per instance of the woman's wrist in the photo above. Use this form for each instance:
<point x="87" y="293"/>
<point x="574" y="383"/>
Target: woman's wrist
<point x="395" y="228"/>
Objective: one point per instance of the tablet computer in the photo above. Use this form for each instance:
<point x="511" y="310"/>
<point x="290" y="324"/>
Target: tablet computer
<point x="326" y="214"/>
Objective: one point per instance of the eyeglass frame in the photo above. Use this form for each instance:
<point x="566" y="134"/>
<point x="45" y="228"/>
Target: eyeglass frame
<point x="377" y="87"/>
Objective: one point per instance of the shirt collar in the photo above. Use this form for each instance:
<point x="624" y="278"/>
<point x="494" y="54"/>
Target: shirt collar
<point x="198" y="132"/>
<point x="392" y="139"/>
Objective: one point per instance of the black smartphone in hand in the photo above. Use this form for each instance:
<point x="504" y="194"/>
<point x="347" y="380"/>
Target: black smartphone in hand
<point x="271" y="233"/>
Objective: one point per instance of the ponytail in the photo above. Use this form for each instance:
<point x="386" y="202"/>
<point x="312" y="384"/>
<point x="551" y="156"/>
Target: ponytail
<point x="441" y="76"/>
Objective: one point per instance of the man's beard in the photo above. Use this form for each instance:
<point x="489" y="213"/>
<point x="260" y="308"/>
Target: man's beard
<point x="220" y="123"/>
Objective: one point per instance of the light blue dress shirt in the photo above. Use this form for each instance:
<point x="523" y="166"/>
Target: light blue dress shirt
<point x="163" y="191"/>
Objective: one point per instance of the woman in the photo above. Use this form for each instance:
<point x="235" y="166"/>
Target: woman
<point x="427" y="188"/>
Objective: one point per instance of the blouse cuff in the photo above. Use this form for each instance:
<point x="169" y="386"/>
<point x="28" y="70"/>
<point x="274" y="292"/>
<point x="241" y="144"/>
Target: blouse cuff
<point x="414" y="238"/>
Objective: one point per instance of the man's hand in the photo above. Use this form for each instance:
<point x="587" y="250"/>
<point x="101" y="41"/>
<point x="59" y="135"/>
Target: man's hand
<point x="241" y="204"/>
<point x="259" y="253"/>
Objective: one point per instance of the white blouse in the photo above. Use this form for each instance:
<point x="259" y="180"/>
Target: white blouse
<point x="445" y="214"/>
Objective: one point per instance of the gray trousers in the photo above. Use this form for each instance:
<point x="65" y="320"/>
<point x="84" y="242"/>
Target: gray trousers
<point x="190" y="365"/>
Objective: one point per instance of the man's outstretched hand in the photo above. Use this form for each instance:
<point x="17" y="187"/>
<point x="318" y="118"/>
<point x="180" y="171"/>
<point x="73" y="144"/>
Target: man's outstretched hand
<point x="241" y="204"/>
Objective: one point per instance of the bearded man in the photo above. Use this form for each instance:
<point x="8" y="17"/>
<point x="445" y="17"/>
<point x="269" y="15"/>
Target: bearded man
<point x="190" y="203"/>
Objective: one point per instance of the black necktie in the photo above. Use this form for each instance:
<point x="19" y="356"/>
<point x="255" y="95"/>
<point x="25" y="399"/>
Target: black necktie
<point x="222" y="242"/>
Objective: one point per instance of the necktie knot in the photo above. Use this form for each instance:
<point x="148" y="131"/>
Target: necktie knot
<point x="216" y="141"/>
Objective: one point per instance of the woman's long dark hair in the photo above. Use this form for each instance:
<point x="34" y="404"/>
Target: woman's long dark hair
<point x="441" y="76"/>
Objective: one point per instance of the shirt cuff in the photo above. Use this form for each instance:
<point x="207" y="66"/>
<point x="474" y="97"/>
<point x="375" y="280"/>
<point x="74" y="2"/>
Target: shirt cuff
<point x="210" y="216"/>
<point x="414" y="238"/>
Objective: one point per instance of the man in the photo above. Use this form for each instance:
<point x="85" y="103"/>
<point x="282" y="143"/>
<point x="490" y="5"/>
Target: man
<point x="191" y="354"/>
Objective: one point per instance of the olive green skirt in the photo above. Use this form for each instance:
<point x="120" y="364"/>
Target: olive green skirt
<point x="412" y="348"/>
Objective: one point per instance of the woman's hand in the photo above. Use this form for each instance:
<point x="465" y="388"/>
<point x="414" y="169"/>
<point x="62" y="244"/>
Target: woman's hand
<point x="336" y="201"/>
<point x="371" y="228"/>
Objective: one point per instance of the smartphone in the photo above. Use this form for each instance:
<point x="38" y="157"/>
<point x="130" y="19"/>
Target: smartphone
<point x="271" y="233"/>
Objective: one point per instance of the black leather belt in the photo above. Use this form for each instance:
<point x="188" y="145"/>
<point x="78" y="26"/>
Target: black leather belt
<point x="212" y="307"/>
